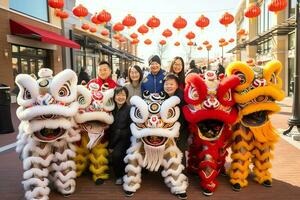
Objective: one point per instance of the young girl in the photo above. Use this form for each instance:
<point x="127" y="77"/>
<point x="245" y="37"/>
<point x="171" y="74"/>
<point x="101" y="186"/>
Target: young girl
<point x="120" y="133"/>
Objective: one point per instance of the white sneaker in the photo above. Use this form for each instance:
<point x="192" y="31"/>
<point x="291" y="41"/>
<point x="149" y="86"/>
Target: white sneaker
<point x="119" y="181"/>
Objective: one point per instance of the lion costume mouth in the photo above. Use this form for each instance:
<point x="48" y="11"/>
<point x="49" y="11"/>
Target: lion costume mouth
<point x="47" y="135"/>
<point x="210" y="129"/>
<point x="256" y="118"/>
<point x="154" y="141"/>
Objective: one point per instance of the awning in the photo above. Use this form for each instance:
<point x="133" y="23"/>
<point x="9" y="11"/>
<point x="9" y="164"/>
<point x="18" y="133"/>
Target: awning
<point x="18" y="28"/>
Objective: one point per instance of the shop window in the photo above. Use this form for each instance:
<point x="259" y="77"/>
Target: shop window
<point x="36" y="8"/>
<point x="292" y="7"/>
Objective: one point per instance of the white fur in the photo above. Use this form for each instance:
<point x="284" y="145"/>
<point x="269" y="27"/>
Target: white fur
<point x="35" y="172"/>
<point x="172" y="132"/>
<point x="108" y="95"/>
<point x="37" y="191"/>
<point x="153" y="157"/>
<point x="25" y="81"/>
<point x="28" y="162"/>
<point x="90" y="116"/>
<point x="86" y="94"/>
<point x="168" y="104"/>
<point x="138" y="102"/>
<point x="64" y="165"/>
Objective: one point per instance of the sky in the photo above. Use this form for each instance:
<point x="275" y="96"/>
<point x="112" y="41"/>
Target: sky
<point x="167" y="11"/>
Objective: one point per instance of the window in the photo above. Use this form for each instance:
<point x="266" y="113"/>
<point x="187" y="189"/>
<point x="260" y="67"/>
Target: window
<point x="292" y="7"/>
<point x="292" y="41"/>
<point x="36" y="8"/>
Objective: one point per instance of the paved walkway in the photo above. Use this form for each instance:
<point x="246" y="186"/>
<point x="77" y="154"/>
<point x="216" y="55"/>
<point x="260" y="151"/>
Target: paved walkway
<point x="286" y="174"/>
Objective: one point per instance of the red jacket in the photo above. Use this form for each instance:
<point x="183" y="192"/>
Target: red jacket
<point x="111" y="83"/>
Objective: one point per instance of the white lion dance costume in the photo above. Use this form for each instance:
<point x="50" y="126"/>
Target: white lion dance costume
<point x="254" y="135"/>
<point x="154" y="128"/>
<point x="46" y="134"/>
<point x="93" y="118"/>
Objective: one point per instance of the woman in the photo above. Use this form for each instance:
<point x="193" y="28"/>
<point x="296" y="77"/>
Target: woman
<point x="171" y="87"/>
<point x="120" y="133"/>
<point x="177" y="67"/>
<point x="135" y="75"/>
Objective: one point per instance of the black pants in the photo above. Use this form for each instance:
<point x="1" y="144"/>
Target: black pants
<point x="118" y="155"/>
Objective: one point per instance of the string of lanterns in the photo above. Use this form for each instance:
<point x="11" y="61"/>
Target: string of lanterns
<point x="129" y="21"/>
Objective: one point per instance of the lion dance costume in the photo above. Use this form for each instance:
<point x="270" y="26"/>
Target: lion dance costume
<point x="93" y="118"/>
<point x="254" y="135"/>
<point x="46" y="132"/>
<point x="210" y="113"/>
<point x="154" y="128"/>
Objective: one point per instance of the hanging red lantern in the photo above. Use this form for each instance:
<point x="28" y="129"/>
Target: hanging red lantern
<point x="199" y="48"/>
<point x="252" y="11"/>
<point x="118" y="27"/>
<point x="153" y="22"/>
<point x="231" y="40"/>
<point x="179" y="23"/>
<point x="190" y="35"/>
<point x="221" y="40"/>
<point x="105" y="32"/>
<point x="104" y="16"/>
<point x="122" y="39"/>
<point x="206" y="42"/>
<point x="143" y="29"/>
<point x="129" y="21"/>
<point x="202" y="22"/>
<point x="116" y="36"/>
<point x="95" y="20"/>
<point x="135" y="41"/>
<point x="134" y="35"/>
<point x="224" y="44"/>
<point x="62" y="14"/>
<point x="190" y="43"/>
<point x="148" y="42"/>
<point x="93" y="30"/>
<point x="80" y="11"/>
<point x="162" y="42"/>
<point x="56" y="4"/>
<point x="208" y="47"/>
<point x="177" y="44"/>
<point x="277" y="5"/>
<point x="226" y="19"/>
<point x="85" y="26"/>
<point x="167" y="33"/>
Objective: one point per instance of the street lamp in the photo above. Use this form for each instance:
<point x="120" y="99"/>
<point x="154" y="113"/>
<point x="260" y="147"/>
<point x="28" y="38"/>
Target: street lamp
<point x="295" y="119"/>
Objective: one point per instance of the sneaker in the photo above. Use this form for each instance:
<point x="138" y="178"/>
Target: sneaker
<point x="267" y="183"/>
<point x="99" y="181"/>
<point x="181" y="196"/>
<point x="128" y="193"/>
<point x="207" y="192"/>
<point x="119" y="181"/>
<point x="236" y="187"/>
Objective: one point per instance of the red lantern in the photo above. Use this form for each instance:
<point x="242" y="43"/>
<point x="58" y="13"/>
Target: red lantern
<point x="224" y="44"/>
<point x="80" y="11"/>
<point x="148" y="42"/>
<point x="143" y="29"/>
<point x="200" y="48"/>
<point x="177" y="44"/>
<point x="221" y="40"/>
<point x="85" y="26"/>
<point x="153" y="22"/>
<point x="231" y="40"/>
<point x="162" y="42"/>
<point x="104" y="16"/>
<point x="105" y="32"/>
<point x="252" y="11"/>
<point x="179" y="23"/>
<point x="129" y="21"/>
<point x="116" y="36"/>
<point x="118" y="27"/>
<point x="135" y="41"/>
<point x="226" y="19"/>
<point x="93" y="30"/>
<point x="134" y="35"/>
<point x="190" y="43"/>
<point x="167" y="33"/>
<point x="56" y="4"/>
<point x="206" y="42"/>
<point x="208" y="47"/>
<point x="122" y="39"/>
<point x="61" y="14"/>
<point x="190" y="35"/>
<point x="241" y="32"/>
<point x="277" y="5"/>
<point x="95" y="20"/>
<point x="202" y="22"/>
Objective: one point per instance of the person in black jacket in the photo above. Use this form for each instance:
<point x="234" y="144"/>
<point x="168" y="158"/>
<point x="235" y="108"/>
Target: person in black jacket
<point x="83" y="77"/>
<point x="119" y="140"/>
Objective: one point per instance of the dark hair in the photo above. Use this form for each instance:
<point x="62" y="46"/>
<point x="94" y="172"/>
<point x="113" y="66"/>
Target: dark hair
<point x="137" y="69"/>
<point x="181" y="76"/>
<point x="103" y="62"/>
<point x="172" y="77"/>
<point x="119" y="89"/>
<point x="193" y="64"/>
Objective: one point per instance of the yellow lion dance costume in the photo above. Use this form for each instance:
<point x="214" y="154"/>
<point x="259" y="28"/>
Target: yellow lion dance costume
<point x="93" y="118"/>
<point x="254" y="135"/>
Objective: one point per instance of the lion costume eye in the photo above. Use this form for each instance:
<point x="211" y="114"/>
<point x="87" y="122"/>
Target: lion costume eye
<point x="241" y="77"/>
<point x="26" y="95"/>
<point x="193" y="94"/>
<point x="64" y="90"/>
<point x="273" y="79"/>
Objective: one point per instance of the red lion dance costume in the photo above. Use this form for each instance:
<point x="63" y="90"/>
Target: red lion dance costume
<point x="210" y="112"/>
<point x="254" y="135"/>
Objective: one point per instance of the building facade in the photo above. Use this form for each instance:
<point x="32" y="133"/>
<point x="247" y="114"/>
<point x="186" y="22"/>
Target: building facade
<point x="269" y="36"/>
